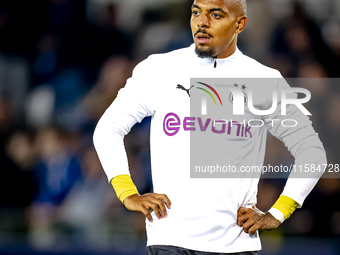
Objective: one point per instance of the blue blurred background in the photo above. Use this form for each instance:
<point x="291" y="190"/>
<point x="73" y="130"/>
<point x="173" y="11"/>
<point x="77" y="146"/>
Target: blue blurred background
<point x="62" y="63"/>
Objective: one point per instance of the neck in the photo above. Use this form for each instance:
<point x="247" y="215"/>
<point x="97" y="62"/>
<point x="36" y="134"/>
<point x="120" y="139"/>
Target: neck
<point x="229" y="51"/>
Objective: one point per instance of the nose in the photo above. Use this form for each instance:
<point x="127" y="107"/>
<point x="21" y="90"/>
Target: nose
<point x="203" y="21"/>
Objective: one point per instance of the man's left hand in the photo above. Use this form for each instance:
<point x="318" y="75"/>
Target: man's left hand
<point x="252" y="219"/>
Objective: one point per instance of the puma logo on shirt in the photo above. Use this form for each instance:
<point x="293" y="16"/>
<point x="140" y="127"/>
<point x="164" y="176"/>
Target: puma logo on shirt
<point x="179" y="86"/>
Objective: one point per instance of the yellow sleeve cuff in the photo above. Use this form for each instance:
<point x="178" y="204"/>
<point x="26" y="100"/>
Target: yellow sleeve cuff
<point x="123" y="186"/>
<point x="286" y="205"/>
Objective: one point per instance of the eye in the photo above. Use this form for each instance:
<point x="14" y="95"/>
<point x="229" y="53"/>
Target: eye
<point x="195" y="13"/>
<point x="215" y="15"/>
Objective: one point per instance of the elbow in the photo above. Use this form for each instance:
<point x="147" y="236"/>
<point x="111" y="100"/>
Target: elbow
<point x="96" y="135"/>
<point x="107" y="131"/>
<point x="313" y="155"/>
<point x="310" y="145"/>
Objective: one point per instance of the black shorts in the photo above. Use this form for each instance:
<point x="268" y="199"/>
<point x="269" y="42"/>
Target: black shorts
<point x="173" y="250"/>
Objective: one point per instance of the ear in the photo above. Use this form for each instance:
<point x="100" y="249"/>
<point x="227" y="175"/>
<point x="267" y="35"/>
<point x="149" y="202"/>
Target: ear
<point x="241" y="24"/>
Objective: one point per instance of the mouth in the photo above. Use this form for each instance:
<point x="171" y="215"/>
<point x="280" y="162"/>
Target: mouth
<point x="202" y="38"/>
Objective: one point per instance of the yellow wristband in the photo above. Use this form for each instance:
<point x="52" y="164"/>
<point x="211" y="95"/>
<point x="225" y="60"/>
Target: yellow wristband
<point x="123" y="186"/>
<point x="286" y="205"/>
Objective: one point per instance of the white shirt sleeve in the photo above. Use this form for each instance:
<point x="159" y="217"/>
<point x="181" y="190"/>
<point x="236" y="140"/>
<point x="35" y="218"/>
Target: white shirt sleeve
<point x="304" y="144"/>
<point x="127" y="109"/>
<point x="277" y="214"/>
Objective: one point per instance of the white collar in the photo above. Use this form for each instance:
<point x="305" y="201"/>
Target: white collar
<point x="228" y="61"/>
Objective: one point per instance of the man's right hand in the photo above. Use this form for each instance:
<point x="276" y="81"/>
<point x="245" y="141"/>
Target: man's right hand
<point x="143" y="203"/>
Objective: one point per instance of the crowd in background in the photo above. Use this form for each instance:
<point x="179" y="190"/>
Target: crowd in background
<point x="62" y="63"/>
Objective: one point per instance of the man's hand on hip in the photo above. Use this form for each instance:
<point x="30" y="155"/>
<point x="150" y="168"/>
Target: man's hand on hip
<point x="252" y="219"/>
<point x="147" y="203"/>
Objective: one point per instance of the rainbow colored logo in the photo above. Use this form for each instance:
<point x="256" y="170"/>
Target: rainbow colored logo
<point x="209" y="93"/>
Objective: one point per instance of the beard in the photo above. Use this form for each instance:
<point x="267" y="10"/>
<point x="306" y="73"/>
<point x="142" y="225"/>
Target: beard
<point x="204" y="53"/>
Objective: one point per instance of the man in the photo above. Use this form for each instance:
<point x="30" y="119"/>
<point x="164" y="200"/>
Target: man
<point x="199" y="216"/>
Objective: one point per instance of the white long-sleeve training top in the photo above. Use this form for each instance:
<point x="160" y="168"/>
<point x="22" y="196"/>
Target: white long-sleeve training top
<point x="204" y="211"/>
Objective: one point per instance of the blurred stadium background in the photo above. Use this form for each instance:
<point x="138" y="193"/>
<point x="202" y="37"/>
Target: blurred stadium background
<point x="62" y="63"/>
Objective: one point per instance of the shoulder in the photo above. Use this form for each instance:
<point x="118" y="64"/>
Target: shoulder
<point x="257" y="69"/>
<point x="161" y="61"/>
<point x="175" y="54"/>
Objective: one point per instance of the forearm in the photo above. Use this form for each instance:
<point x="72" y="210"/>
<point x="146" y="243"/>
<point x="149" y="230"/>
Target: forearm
<point x="299" y="184"/>
<point x="124" y="186"/>
<point x="108" y="140"/>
